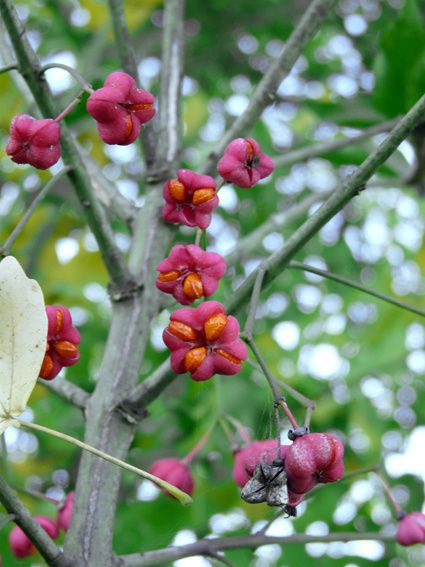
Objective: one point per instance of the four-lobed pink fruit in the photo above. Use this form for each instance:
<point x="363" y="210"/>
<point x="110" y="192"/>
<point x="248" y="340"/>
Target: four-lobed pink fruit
<point x="34" y="142"/>
<point x="204" y="341"/>
<point x="244" y="164"/>
<point x="120" y="108"/>
<point x="189" y="273"/>
<point x="176" y="473"/>
<point x="190" y="199"/>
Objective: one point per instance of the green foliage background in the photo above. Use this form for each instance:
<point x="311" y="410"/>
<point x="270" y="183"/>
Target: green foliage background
<point x="371" y="337"/>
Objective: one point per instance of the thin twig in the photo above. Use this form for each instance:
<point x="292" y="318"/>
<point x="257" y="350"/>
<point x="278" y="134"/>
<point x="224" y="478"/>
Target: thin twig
<point x="356" y="285"/>
<point x="265" y="93"/>
<point x="302" y="154"/>
<point x="303" y="400"/>
<point x="42" y="541"/>
<point x="85" y="84"/>
<point x="68" y="391"/>
<point x="12" y="67"/>
<point x="5" y="249"/>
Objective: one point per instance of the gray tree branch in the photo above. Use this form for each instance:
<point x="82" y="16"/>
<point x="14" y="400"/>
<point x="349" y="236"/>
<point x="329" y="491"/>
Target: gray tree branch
<point x="208" y="547"/>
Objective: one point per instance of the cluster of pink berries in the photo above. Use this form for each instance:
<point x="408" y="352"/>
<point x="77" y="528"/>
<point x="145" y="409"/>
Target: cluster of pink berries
<point x="119" y="107"/>
<point x="22" y="546"/>
<point x="311" y="459"/>
<point x="204" y="340"/>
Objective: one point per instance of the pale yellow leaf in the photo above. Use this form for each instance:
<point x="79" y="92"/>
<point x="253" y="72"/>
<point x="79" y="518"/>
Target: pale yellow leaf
<point x="23" y="334"/>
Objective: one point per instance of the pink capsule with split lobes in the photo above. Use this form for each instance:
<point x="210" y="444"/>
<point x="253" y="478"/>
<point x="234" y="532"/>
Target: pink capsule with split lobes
<point x="204" y="341"/>
<point x="120" y="108"/>
<point x="190" y="199"/>
<point x="34" y="142"/>
<point x="189" y="273"/>
<point x="244" y="163"/>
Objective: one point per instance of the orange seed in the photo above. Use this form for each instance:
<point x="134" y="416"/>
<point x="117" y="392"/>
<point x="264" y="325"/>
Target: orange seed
<point x="182" y="331"/>
<point x="214" y="326"/>
<point x="140" y="106"/>
<point x="227" y="356"/>
<point x="249" y="150"/>
<point x="65" y="349"/>
<point x="46" y="367"/>
<point x="177" y="190"/>
<point x="192" y="286"/>
<point x="202" y="196"/>
<point x="59" y="321"/>
<point x="168" y="276"/>
<point x="194" y="357"/>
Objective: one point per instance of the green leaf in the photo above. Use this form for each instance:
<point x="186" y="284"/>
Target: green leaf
<point x="400" y="64"/>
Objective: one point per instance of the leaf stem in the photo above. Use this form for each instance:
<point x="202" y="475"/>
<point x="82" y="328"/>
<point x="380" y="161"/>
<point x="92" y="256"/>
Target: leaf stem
<point x="182" y="497"/>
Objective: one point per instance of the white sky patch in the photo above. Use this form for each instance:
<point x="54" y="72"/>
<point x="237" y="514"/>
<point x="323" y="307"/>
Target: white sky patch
<point x="287" y="335"/>
<point x="66" y="249"/>
<point x="355" y="24"/>
<point x="236" y="104"/>
<point x="228" y="198"/>
<point x="273" y="241"/>
<point x="95" y="292"/>
<point x="323" y="362"/>
<point x="412" y="459"/>
<point x="121" y="154"/>
<point x="58" y="79"/>
<point x="147" y="491"/>
<point x="415" y="336"/>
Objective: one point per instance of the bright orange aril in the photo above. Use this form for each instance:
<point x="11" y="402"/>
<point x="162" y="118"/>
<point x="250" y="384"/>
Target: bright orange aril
<point x="194" y="358"/>
<point x="46" y="367"/>
<point x="214" y="326"/>
<point x="202" y="196"/>
<point x="182" y="331"/>
<point x="177" y="190"/>
<point x="168" y="276"/>
<point x="192" y="286"/>
<point x="227" y="356"/>
<point x="65" y="349"/>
